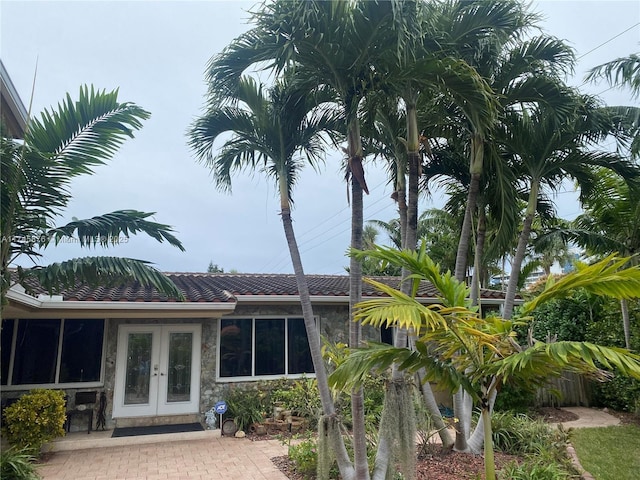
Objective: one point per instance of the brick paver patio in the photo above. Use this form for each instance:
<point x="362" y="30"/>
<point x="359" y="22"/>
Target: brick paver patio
<point x="213" y="458"/>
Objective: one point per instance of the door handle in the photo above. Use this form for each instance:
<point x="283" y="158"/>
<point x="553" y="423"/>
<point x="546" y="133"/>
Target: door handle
<point x="162" y="374"/>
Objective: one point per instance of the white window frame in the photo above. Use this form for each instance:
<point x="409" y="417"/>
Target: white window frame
<point x="56" y="384"/>
<point x="253" y="377"/>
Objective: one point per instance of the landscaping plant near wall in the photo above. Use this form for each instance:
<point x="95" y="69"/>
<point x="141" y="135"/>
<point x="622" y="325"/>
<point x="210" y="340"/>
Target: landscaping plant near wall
<point x="17" y="464"/>
<point x="35" y="419"/>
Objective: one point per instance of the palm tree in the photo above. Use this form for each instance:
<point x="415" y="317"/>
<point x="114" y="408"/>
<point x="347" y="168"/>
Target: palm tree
<point x="610" y="223"/>
<point x="270" y="129"/>
<point x="488" y="36"/>
<point x="36" y="175"/>
<point x="548" y="151"/>
<point x="490" y="356"/>
<point x="623" y="72"/>
<point x="549" y="250"/>
<point x="312" y="36"/>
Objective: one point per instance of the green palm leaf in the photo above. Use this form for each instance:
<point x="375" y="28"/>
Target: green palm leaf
<point x="108" y="271"/>
<point x="611" y="277"/>
<point x="378" y="357"/>
<point x="86" y="132"/>
<point x="544" y="360"/>
<point x="108" y="228"/>
<point x="36" y="176"/>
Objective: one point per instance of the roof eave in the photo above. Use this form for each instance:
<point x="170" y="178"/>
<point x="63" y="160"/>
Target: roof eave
<point x="27" y="306"/>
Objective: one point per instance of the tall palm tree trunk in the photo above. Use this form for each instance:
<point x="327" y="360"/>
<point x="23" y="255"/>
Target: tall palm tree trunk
<point x="328" y="408"/>
<point x="355" y="296"/>
<point x="518" y="258"/>
<point x="460" y="404"/>
<point x="626" y="325"/>
<point x="475" y="169"/>
<point x="481" y="235"/>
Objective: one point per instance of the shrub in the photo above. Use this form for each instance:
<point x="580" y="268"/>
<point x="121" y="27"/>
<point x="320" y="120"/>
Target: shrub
<point x="17" y="464"/>
<point x="301" y="397"/>
<point x="544" y="448"/>
<point x="620" y="393"/>
<point x="515" y="399"/>
<point x="36" y="418"/>
<point x="533" y="469"/>
<point x="520" y="435"/>
<point x="304" y="456"/>
<point x="246" y="405"/>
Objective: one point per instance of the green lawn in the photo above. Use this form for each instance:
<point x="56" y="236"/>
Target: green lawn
<point x="609" y="453"/>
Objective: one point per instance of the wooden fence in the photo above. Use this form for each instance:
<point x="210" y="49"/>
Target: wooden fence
<point x="570" y="390"/>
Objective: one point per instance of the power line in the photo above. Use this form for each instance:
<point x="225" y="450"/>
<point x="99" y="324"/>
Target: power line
<point x="280" y="261"/>
<point x="607" y="41"/>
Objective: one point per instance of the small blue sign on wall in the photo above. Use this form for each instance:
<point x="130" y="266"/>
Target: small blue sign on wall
<point x="220" y="407"/>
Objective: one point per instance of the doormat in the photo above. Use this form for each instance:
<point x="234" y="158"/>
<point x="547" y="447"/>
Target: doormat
<point x="157" y="429"/>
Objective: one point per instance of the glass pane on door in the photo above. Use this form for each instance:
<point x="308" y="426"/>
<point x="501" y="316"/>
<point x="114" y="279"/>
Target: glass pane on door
<point x="138" y="369"/>
<point x="179" y="367"/>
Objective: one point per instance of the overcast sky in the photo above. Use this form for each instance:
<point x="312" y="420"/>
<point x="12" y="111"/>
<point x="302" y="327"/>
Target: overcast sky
<point x="155" y="53"/>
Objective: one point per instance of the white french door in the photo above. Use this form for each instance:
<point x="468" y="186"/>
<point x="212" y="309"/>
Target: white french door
<point x="157" y="370"/>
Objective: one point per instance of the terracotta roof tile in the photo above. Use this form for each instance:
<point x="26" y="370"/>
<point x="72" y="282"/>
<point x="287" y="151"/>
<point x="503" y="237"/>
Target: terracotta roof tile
<point x="225" y="287"/>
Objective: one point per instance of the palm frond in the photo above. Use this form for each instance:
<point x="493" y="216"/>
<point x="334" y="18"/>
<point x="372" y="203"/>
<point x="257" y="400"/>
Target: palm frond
<point x="544" y="360"/>
<point x="108" y="228"/>
<point x="623" y="71"/>
<point x="398" y="310"/>
<point x="377" y="357"/>
<point x="108" y="271"/>
<point x="611" y="277"/>
<point x="84" y="133"/>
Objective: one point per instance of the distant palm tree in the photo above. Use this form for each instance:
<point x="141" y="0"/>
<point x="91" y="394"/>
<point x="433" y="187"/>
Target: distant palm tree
<point x="610" y="223"/>
<point x="36" y="176"/>
<point x="623" y="72"/>
<point x="548" y="151"/>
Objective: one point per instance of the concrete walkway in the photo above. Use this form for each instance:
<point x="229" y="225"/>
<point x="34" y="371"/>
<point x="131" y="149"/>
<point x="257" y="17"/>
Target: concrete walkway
<point x="590" y="417"/>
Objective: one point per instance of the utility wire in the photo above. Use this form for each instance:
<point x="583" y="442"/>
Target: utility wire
<point x="607" y="41"/>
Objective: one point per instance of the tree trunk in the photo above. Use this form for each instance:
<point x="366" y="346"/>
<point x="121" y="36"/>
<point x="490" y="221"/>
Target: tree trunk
<point x="476" y="441"/>
<point x="475" y="169"/>
<point x="489" y="462"/>
<point x="624" y="306"/>
<point x="518" y="258"/>
<point x="342" y="456"/>
<point x="409" y="239"/>
<point x="462" y="409"/>
<point x="355" y="296"/>
<point x="432" y="407"/>
<point x="477" y="258"/>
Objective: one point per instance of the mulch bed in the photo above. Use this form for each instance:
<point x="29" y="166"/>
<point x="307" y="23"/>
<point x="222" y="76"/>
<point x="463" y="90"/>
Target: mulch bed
<point x="436" y="464"/>
<point x="554" y="415"/>
<point x="433" y="464"/>
<point x="440" y="465"/>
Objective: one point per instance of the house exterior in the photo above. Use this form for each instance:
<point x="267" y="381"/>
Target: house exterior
<point x="164" y="361"/>
<point x="12" y="110"/>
